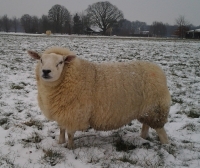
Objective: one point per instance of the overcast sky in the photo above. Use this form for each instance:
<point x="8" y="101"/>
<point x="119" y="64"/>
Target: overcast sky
<point x="147" y="11"/>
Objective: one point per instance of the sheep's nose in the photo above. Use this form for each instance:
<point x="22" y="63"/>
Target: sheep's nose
<point x="46" y="72"/>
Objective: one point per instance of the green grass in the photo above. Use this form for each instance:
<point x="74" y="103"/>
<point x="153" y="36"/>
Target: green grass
<point x="194" y="114"/>
<point x="177" y="100"/>
<point x="52" y="157"/>
<point x="126" y="159"/>
<point x="121" y="145"/>
<point x="17" y="87"/>
<point x="34" y="138"/>
<point x="34" y="123"/>
<point x="190" y="127"/>
<point x="5" y="161"/>
<point x="3" y="121"/>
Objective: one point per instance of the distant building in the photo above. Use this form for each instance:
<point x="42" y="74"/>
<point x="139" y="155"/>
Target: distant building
<point x="193" y="34"/>
<point x="142" y="34"/>
<point x="93" y="30"/>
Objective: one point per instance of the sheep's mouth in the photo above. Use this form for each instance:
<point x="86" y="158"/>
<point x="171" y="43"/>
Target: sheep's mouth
<point x="46" y="76"/>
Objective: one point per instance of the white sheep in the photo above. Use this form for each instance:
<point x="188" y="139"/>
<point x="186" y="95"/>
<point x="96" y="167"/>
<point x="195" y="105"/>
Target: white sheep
<point x="79" y="94"/>
<point x="48" y="32"/>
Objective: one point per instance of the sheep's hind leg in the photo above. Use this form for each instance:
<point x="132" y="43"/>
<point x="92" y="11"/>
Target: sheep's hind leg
<point x="162" y="135"/>
<point x="145" y="131"/>
<point x="70" y="143"/>
<point x="62" y="136"/>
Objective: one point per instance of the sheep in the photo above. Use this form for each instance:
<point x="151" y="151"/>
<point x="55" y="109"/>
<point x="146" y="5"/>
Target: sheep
<point x="48" y="32"/>
<point x="79" y="94"/>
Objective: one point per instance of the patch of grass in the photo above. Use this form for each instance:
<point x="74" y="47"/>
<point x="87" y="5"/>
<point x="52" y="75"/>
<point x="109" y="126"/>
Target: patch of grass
<point x="178" y="85"/>
<point x="34" y="138"/>
<point x="174" y="73"/>
<point x="13" y="68"/>
<point x="124" y="146"/>
<point x="17" y="87"/>
<point x="197" y="74"/>
<point x="10" y="142"/>
<point x="171" y="149"/>
<point x="185" y="141"/>
<point x="194" y="114"/>
<point x="146" y="145"/>
<point x="5" y="161"/>
<point x="2" y="52"/>
<point x="190" y="127"/>
<point x="161" y="160"/>
<point x="126" y="159"/>
<point x="37" y="124"/>
<point x="52" y="157"/>
<point x="18" y="60"/>
<point x="3" y="104"/>
<point x="184" y="76"/>
<point x="23" y="83"/>
<point x="180" y="112"/>
<point x="3" y="121"/>
<point x="21" y="126"/>
<point x="8" y="114"/>
<point x="185" y="163"/>
<point x="5" y="65"/>
<point x="176" y="100"/>
<point x="19" y="106"/>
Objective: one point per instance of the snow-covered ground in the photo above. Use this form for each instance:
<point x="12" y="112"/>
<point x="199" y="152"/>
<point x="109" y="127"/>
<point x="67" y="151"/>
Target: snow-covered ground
<point x="27" y="139"/>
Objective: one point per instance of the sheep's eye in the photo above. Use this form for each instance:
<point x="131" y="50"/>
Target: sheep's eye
<point x="59" y="63"/>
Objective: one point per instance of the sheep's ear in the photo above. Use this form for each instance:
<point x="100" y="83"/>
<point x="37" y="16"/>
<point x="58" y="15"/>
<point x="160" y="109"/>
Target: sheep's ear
<point x="33" y="54"/>
<point x="69" y="58"/>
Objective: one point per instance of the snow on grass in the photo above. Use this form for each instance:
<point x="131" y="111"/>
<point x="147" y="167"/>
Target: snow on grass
<point x="29" y="140"/>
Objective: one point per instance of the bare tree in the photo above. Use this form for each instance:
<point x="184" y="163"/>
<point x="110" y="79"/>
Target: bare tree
<point x="6" y="23"/>
<point x="59" y="17"/>
<point x="77" y="27"/>
<point x="85" y="21"/>
<point x="15" y="23"/>
<point x="104" y="15"/>
<point x="123" y="28"/>
<point x="138" y="26"/>
<point x="26" y="23"/>
<point x="44" y="24"/>
<point x="0" y="23"/>
<point x="183" y="26"/>
<point x="158" y="29"/>
<point x="34" y="24"/>
<point x="30" y="23"/>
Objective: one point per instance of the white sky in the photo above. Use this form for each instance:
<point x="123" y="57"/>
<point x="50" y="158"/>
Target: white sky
<point x="147" y="11"/>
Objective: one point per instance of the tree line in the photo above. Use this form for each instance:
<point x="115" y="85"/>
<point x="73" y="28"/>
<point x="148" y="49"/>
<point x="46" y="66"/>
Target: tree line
<point x="103" y="15"/>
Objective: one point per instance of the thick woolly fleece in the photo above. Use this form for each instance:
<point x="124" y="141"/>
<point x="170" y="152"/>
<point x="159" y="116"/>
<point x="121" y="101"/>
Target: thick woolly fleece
<point x="104" y="96"/>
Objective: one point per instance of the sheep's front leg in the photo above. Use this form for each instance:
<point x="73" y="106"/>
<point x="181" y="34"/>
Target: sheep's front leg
<point x="70" y="143"/>
<point x="62" y="136"/>
<point x="162" y="135"/>
<point x="145" y="131"/>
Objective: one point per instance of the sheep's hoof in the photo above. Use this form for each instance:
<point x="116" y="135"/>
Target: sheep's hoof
<point x="61" y="141"/>
<point x="70" y="147"/>
<point x="162" y="135"/>
<point x="144" y="136"/>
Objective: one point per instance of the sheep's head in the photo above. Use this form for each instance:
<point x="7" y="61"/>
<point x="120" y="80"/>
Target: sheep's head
<point x="51" y="65"/>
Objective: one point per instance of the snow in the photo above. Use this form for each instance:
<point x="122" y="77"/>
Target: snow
<point x="196" y="30"/>
<point x="28" y="138"/>
<point x="96" y="29"/>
